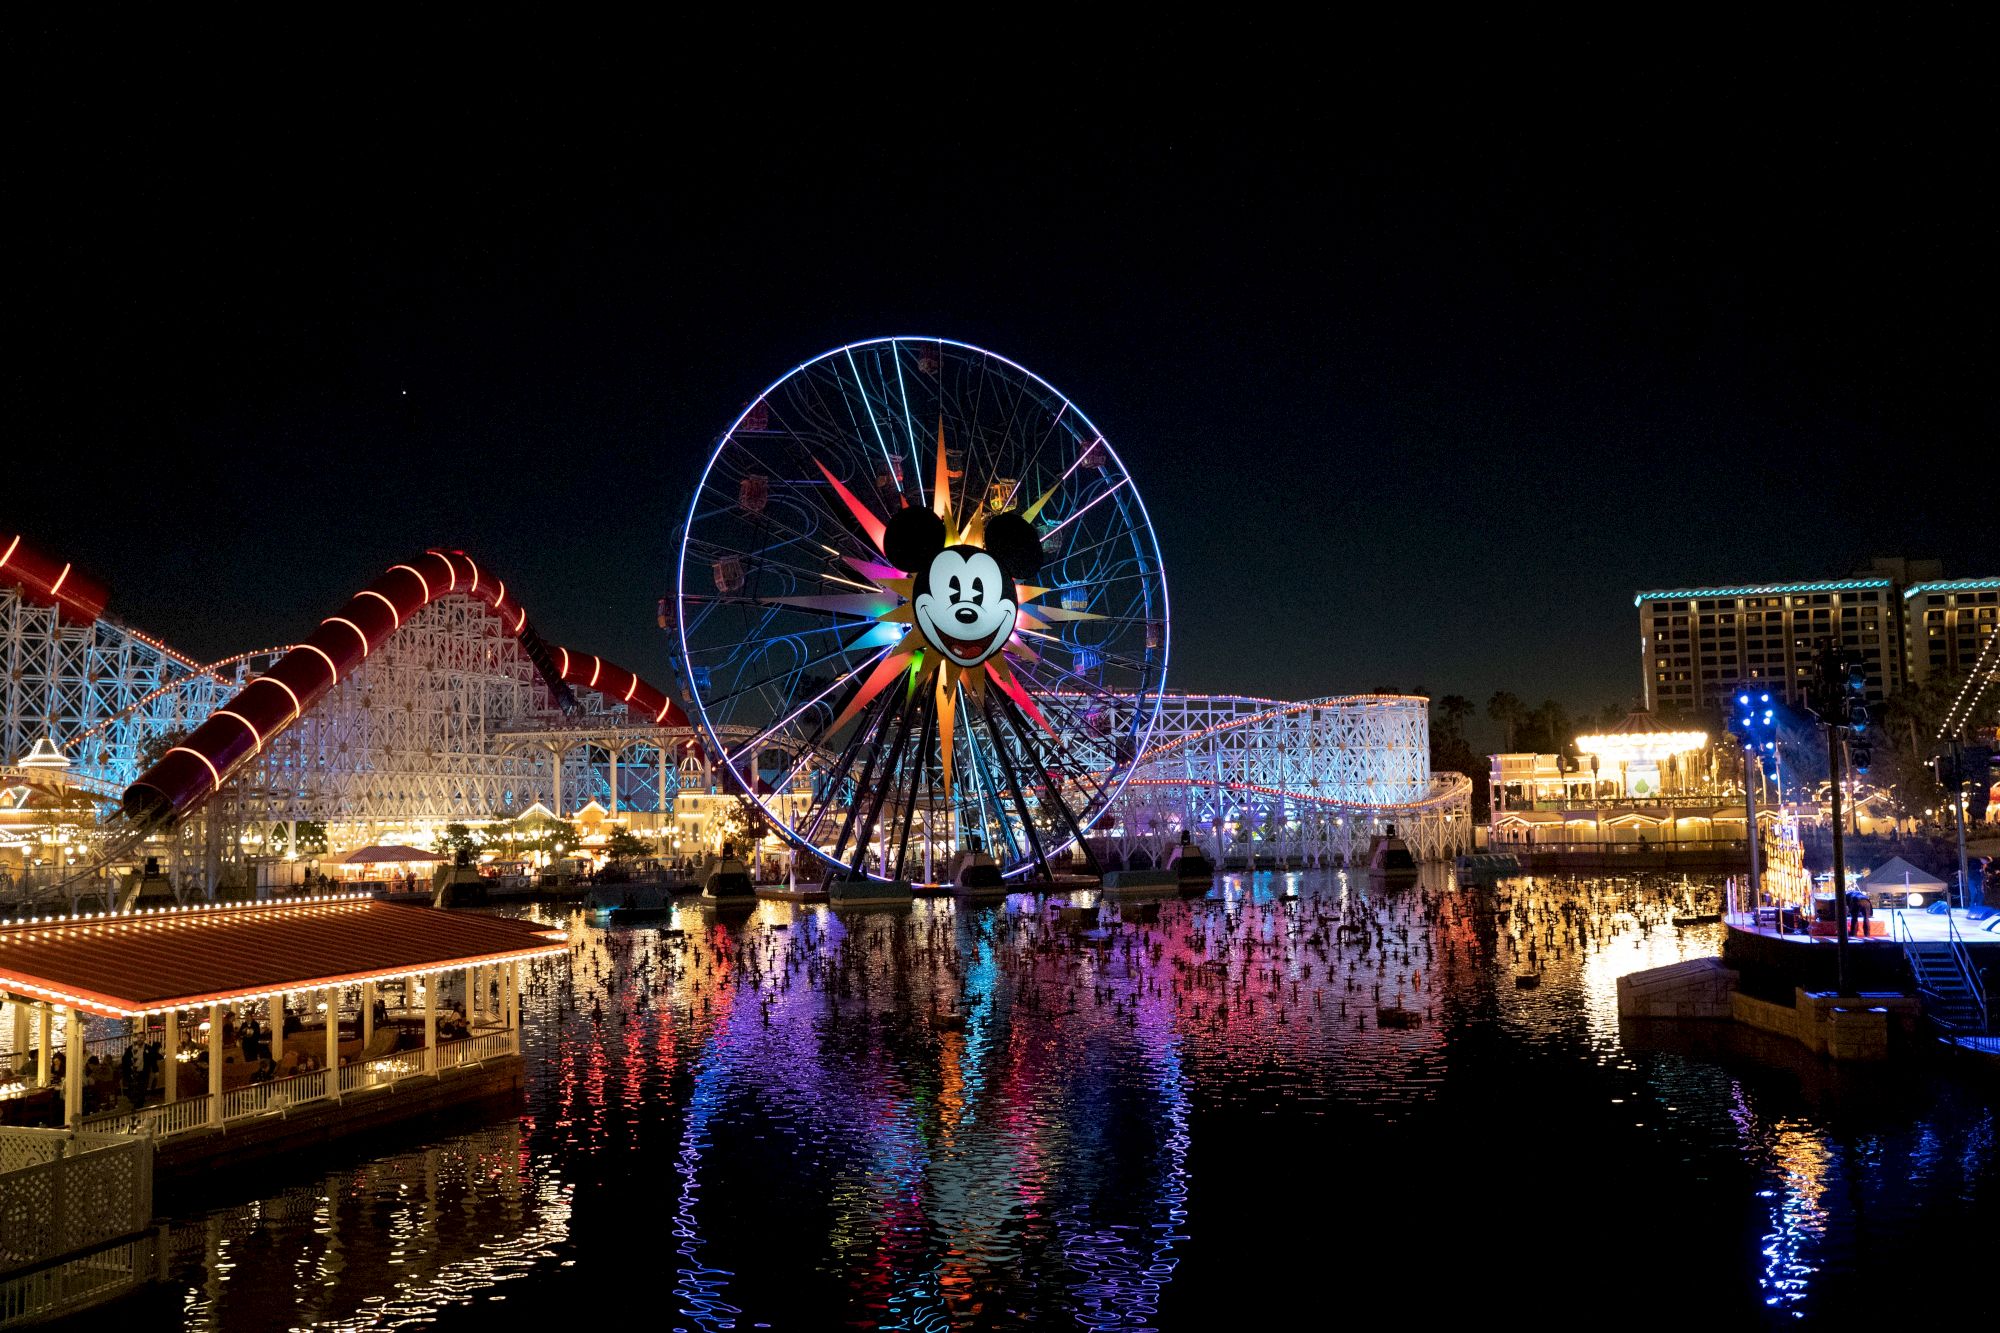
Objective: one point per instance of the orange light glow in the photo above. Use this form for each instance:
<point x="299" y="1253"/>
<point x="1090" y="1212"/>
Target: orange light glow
<point x="420" y="578"/>
<point x="297" y="708"/>
<point x="256" y="740"/>
<point x="324" y="658"/>
<point x="449" y="568"/>
<point x="564" y="672"/>
<point x="204" y="763"/>
<point x="343" y="620"/>
<point x="60" y="580"/>
<point x="596" y="665"/>
<point x="394" y="614"/>
<point x="11" y="547"/>
<point x="631" y="689"/>
<point x="475" y="572"/>
<point x="522" y="620"/>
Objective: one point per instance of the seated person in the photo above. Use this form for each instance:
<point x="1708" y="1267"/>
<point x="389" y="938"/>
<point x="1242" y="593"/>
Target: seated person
<point x="265" y="1072"/>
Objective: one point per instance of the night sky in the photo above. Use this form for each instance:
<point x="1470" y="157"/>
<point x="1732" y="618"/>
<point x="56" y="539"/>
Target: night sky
<point x="1418" y="392"/>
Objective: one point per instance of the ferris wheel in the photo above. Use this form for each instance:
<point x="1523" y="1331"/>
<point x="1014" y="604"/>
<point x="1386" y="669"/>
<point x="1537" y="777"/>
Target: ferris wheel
<point x="919" y="602"/>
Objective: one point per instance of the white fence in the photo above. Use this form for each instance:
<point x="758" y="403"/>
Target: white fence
<point x="279" y="1095"/>
<point x="75" y="1220"/>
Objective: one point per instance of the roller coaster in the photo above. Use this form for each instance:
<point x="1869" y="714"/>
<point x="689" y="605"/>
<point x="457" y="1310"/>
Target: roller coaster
<point x="429" y="698"/>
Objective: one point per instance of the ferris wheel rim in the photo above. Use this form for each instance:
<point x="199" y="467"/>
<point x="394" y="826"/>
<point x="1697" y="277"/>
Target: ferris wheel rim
<point x="1142" y="735"/>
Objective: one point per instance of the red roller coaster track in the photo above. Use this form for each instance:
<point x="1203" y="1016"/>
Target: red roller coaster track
<point x="77" y="597"/>
<point x="195" y="769"/>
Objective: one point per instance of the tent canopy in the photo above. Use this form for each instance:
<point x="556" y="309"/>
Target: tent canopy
<point x="383" y="854"/>
<point x="1893" y="873"/>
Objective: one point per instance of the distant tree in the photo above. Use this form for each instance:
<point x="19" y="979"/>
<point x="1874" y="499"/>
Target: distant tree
<point x="1505" y="708"/>
<point x="1452" y="710"/>
<point x="744" y="824"/>
<point x="1903" y="739"/>
<point x="155" y="749"/>
<point x="555" y="837"/>
<point x="457" y="842"/>
<point x="1546" y="730"/>
<point x="623" y="845"/>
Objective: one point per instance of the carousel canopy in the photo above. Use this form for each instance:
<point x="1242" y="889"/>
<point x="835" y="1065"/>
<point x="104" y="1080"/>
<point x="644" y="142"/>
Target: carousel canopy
<point x="1640" y="736"/>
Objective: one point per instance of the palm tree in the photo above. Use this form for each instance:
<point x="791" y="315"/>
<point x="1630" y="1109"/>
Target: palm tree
<point x="1504" y="708"/>
<point x="1453" y="710"/>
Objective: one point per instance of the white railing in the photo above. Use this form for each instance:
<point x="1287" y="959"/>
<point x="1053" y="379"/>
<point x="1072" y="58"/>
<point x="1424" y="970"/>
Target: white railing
<point x="21" y="1146"/>
<point x="382" y="1072"/>
<point x="1973" y="981"/>
<point x="159" y="1120"/>
<point x="97" y="1190"/>
<point x="471" y="1050"/>
<point x="53" y="1289"/>
<point x="255" y="1099"/>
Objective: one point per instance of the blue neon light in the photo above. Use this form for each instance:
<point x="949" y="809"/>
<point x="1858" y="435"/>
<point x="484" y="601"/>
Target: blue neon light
<point x="1840" y="585"/>
<point x="1949" y="585"/>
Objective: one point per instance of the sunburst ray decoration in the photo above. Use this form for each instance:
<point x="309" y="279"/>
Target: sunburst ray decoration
<point x="922" y="656"/>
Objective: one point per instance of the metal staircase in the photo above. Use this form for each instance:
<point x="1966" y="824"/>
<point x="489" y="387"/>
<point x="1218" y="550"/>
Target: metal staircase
<point x="1952" y="995"/>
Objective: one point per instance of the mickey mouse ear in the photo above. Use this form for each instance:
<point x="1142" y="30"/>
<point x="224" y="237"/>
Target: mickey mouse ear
<point x="1013" y="541"/>
<point x="912" y="538"/>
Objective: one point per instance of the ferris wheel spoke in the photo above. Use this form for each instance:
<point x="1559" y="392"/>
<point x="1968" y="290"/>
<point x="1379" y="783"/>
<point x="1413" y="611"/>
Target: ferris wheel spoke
<point x="793" y="716"/>
<point x="867" y="410"/>
<point x="772" y="679"/>
<point x="794" y="644"/>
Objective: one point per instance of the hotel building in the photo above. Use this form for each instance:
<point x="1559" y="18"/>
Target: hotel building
<point x="1697" y="645"/>
<point x="1946" y="624"/>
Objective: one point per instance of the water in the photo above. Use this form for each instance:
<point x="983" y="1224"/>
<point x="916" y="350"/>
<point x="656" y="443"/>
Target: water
<point x="947" y="1118"/>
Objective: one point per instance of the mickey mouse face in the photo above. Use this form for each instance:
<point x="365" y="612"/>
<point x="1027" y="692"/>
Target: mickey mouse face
<point x="964" y="600"/>
<point x="965" y="605"/>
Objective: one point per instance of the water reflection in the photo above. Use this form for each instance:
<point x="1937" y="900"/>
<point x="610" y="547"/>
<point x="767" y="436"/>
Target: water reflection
<point x="942" y="1118"/>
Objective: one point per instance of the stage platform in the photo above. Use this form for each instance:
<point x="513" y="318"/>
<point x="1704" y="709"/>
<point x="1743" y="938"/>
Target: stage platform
<point x="1923" y="927"/>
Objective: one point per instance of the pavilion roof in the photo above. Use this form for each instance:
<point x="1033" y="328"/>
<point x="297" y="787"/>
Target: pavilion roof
<point x="121" y="964"/>
<point x="387" y="853"/>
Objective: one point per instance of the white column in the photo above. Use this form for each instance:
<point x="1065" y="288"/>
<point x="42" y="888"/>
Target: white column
<point x="73" y="1070"/>
<point x="215" y="1064"/>
<point x="44" y="1044"/>
<point x="333" y="1038"/>
<point x="367" y="1013"/>
<point x="277" y="1027"/>
<point x="170" y="1065"/>
<point x="613" y="753"/>
<point x="663" y="780"/>
<point x="431" y="1019"/>
<point x="19" y="1010"/>
<point x="510" y="995"/>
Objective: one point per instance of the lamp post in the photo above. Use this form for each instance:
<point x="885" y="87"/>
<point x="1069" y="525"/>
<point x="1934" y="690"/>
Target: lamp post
<point x="1755" y="723"/>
